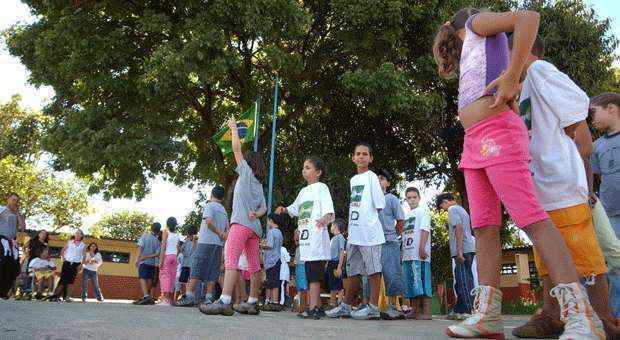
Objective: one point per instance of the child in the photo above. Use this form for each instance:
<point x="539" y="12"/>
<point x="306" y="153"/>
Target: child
<point x="285" y="276"/>
<point x="335" y="267"/>
<point x="207" y="257"/>
<point x="187" y="249"/>
<point x="248" y="206"/>
<point x="301" y="282"/>
<point x="147" y="263"/>
<point x="314" y="210"/>
<point x="462" y="251"/>
<point x="553" y="107"/>
<point x="495" y="164"/>
<point x="43" y="270"/>
<point x="272" y="246"/>
<point x="91" y="263"/>
<point x="72" y="255"/>
<point x="605" y="156"/>
<point x="417" y="256"/>
<point x="365" y="237"/>
<point x="168" y="260"/>
<point x="392" y="222"/>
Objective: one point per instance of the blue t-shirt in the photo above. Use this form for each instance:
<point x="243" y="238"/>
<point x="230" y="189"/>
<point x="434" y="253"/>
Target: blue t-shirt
<point x="388" y="216"/>
<point x="605" y="161"/>
<point x="150" y="245"/>
<point x="274" y="240"/>
<point x="337" y="244"/>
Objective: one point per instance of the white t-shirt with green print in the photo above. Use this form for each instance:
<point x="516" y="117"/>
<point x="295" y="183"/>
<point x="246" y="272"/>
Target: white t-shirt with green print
<point x="366" y="200"/>
<point x="313" y="202"/>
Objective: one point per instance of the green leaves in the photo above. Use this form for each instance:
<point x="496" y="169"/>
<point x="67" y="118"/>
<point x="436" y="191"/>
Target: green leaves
<point x="124" y="225"/>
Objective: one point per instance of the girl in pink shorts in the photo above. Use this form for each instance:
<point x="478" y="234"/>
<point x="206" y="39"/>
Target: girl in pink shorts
<point x="495" y="164"/>
<point x="248" y="206"/>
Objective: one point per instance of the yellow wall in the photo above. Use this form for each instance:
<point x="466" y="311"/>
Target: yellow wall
<point x="107" y="268"/>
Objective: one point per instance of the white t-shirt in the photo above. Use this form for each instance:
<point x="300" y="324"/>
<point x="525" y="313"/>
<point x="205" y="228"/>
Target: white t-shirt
<point x="285" y="271"/>
<point x="39" y="263"/>
<point x="366" y="198"/>
<point x="74" y="252"/>
<point x="93" y="266"/>
<point x="416" y="220"/>
<point x="313" y="202"/>
<point x="549" y="102"/>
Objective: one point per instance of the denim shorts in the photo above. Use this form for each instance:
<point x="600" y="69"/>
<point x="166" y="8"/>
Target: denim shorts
<point x="392" y="271"/>
<point x="300" y="277"/>
<point x="206" y="262"/>
<point x="147" y="271"/>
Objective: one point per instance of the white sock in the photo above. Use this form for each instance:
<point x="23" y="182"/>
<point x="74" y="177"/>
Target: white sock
<point x="252" y="300"/>
<point x="373" y="306"/>
<point x="225" y="299"/>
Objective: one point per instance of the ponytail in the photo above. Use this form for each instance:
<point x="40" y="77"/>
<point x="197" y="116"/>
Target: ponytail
<point x="447" y="46"/>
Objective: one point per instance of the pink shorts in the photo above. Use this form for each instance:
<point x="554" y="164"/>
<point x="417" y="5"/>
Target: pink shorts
<point x="495" y="163"/>
<point x="168" y="273"/>
<point x="241" y="238"/>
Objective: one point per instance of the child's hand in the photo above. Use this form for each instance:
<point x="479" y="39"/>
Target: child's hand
<point x="508" y="89"/>
<point x="232" y="123"/>
<point x="280" y="210"/>
<point x="338" y="272"/>
<point x="423" y="254"/>
<point x="320" y="223"/>
<point x="252" y="215"/>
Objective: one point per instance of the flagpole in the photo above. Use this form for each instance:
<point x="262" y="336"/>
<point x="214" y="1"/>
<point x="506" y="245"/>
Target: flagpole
<point x="256" y="122"/>
<point x="273" y="144"/>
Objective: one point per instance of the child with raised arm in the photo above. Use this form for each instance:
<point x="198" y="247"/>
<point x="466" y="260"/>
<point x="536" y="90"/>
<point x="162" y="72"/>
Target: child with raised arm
<point x="248" y="206"/>
<point x="365" y="238"/>
<point x="495" y="163"/>
<point x="314" y="210"/>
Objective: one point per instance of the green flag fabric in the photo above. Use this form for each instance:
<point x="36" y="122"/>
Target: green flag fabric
<point x="245" y="125"/>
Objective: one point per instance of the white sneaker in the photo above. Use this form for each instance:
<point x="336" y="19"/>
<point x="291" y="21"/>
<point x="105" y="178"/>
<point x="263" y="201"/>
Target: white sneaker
<point x="580" y="321"/>
<point x="485" y="320"/>
<point x="369" y="312"/>
<point x="341" y="311"/>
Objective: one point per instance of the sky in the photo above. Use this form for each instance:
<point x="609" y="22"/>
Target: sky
<point x="165" y="198"/>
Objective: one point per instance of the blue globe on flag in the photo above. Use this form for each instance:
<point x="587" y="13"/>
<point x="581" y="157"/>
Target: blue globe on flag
<point x="242" y="128"/>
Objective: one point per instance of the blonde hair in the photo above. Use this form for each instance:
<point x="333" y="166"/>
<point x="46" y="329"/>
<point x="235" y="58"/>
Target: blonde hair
<point x="447" y="45"/>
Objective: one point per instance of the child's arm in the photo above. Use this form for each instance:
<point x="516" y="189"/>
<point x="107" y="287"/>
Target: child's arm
<point x="325" y="220"/>
<point x="341" y="259"/>
<point x="583" y="140"/>
<point x="524" y="24"/>
<point x="236" y="143"/>
<point x="423" y="239"/>
<point x="162" y="254"/>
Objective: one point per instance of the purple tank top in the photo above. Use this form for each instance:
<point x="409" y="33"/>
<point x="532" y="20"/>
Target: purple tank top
<point x="482" y="60"/>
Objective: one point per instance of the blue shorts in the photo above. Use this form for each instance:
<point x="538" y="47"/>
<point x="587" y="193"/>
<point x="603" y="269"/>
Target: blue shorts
<point x="147" y="271"/>
<point x="392" y="270"/>
<point x="300" y="277"/>
<point x="418" y="281"/>
<point x="335" y="283"/>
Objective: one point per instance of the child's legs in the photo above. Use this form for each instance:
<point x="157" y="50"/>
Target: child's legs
<point x="599" y="298"/>
<point x="236" y="242"/>
<point x="426" y="307"/>
<point x="84" y="284"/>
<point x="485" y="210"/>
<point x="354" y="284"/>
<point x="374" y="282"/>
<point x="315" y="294"/>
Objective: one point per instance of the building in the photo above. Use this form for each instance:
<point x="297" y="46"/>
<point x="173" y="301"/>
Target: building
<point x="519" y="277"/>
<point x="118" y="275"/>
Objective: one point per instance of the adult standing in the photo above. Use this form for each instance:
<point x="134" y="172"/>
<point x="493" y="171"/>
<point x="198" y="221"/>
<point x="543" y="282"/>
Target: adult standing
<point x="11" y="220"/>
<point x="72" y="255"/>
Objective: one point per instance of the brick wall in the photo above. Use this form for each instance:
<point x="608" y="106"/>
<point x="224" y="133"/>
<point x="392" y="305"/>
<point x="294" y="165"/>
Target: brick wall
<point x="112" y="287"/>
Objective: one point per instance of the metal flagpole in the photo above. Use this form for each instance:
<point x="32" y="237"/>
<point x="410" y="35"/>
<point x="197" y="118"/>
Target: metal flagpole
<point x="256" y="122"/>
<point x="273" y="144"/>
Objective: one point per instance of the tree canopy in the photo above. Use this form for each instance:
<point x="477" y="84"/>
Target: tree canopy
<point x="124" y="225"/>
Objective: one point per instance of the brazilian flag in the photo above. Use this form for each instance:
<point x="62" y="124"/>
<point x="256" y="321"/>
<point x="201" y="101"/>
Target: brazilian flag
<point x="245" y="127"/>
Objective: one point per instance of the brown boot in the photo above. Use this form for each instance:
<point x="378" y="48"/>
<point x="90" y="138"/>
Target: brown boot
<point x="611" y="330"/>
<point x="540" y="326"/>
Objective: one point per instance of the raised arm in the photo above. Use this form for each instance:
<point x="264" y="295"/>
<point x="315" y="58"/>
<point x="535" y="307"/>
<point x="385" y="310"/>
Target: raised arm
<point x="236" y="142"/>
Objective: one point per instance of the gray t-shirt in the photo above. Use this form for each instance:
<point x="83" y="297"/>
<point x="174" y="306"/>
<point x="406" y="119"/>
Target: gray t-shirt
<point x="605" y="161"/>
<point x="393" y="211"/>
<point x="458" y="215"/>
<point x="217" y="213"/>
<point x="274" y="240"/>
<point x="186" y="250"/>
<point x="337" y="244"/>
<point x="248" y="197"/>
<point x="150" y="245"/>
<point x="8" y="223"/>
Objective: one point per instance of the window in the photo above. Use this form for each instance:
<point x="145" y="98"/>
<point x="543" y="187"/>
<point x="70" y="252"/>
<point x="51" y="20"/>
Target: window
<point x="114" y="256"/>
<point x="509" y="269"/>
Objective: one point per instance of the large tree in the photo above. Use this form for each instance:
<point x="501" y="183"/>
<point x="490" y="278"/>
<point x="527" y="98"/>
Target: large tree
<point x="124" y="225"/>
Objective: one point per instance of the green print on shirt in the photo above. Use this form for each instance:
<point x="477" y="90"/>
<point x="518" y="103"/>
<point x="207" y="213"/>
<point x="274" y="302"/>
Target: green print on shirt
<point x="525" y="111"/>
<point x="357" y="193"/>
<point x="409" y="223"/>
<point x="305" y="210"/>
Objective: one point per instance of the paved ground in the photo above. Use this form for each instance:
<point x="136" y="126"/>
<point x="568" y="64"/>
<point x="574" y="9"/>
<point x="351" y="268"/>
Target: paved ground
<point x="116" y="320"/>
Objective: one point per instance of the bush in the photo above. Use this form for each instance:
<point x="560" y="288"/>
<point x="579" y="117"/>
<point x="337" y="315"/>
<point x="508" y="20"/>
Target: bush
<point x="521" y="307"/>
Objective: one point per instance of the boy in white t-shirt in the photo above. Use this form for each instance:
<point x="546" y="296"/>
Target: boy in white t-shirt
<point x="44" y="272"/>
<point x="417" y="256"/>
<point x="365" y="238"/>
<point x="553" y="107"/>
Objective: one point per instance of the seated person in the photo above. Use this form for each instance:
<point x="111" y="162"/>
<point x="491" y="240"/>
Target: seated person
<point x="44" y="272"/>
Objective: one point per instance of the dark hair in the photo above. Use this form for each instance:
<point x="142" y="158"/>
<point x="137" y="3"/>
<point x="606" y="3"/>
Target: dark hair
<point x="11" y="194"/>
<point x="607" y="98"/>
<point x="171" y="224"/>
<point x="339" y="222"/>
<point x="47" y="236"/>
<point x="277" y="219"/>
<point x="81" y="232"/>
<point x="443" y="196"/>
<point x="412" y="189"/>
<point x="156" y="228"/>
<point x="96" y="247"/>
<point x="447" y="46"/>
<point x="385" y="173"/>
<point x="256" y="163"/>
<point x="365" y="145"/>
<point x="192" y="230"/>
<point x="44" y="249"/>
<point x="218" y="192"/>
<point x="318" y="164"/>
<point x="538" y="49"/>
